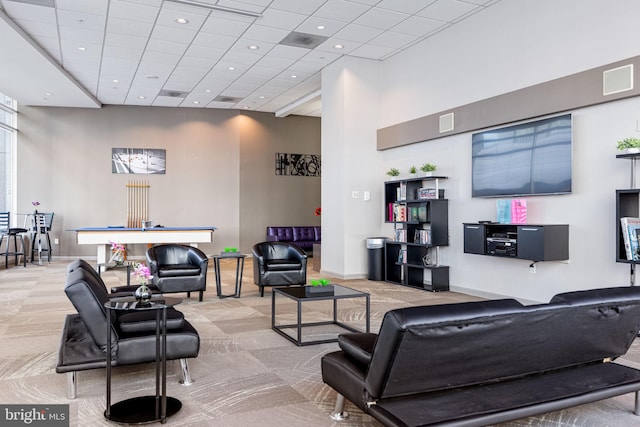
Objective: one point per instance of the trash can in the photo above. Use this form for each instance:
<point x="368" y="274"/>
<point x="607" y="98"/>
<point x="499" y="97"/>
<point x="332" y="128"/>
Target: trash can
<point x="375" y="255"/>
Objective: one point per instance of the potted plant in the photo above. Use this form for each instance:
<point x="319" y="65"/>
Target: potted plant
<point x="428" y="169"/>
<point x="319" y="286"/>
<point x="629" y="145"/>
<point x="413" y="171"/>
<point x="393" y="172"/>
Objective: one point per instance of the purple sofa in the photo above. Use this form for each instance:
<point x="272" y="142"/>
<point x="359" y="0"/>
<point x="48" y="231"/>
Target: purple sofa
<point x="302" y="236"/>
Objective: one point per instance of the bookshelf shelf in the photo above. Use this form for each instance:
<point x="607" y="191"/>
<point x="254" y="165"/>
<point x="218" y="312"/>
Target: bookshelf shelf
<point x="421" y="228"/>
<point x="627" y="205"/>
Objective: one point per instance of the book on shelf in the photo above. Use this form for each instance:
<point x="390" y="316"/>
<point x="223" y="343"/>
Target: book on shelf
<point x="401" y="191"/>
<point x="401" y="236"/>
<point x="629" y="228"/>
<point x="422" y="236"/>
<point x="402" y="256"/>
<point x="399" y="212"/>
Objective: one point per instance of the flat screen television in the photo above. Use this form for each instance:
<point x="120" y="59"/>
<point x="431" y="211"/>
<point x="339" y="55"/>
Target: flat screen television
<point x="524" y="159"/>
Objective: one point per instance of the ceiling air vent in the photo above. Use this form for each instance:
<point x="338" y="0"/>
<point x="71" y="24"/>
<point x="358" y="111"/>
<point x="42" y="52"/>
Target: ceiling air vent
<point x="307" y="41"/>
<point x="173" y="93"/>
<point x="230" y="99"/>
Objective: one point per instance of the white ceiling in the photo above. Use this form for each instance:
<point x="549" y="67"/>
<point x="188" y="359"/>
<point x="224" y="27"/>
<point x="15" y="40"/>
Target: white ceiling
<point x="89" y="53"/>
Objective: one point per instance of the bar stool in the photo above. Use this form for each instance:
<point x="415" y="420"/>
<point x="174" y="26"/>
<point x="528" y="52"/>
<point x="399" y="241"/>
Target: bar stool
<point x="9" y="232"/>
<point x="40" y="227"/>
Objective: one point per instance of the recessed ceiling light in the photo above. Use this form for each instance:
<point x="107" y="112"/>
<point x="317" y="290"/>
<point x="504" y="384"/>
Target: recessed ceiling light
<point x="208" y="90"/>
<point x="261" y="96"/>
<point x="116" y="81"/>
<point x="320" y="27"/>
<point x="151" y="76"/>
<point x="337" y="46"/>
<point x="142" y="97"/>
<point x="232" y="68"/>
<point x="196" y="102"/>
<point x="253" y="47"/>
<point x="245" y="107"/>
<point x="82" y="48"/>
<point x="293" y="76"/>
<point x="182" y="21"/>
<point x="48" y="93"/>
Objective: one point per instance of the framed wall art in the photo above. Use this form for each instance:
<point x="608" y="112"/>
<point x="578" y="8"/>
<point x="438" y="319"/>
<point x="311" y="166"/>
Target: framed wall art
<point x="138" y="160"/>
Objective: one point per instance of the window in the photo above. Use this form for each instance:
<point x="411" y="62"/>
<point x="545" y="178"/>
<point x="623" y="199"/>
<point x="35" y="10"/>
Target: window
<point x="8" y="120"/>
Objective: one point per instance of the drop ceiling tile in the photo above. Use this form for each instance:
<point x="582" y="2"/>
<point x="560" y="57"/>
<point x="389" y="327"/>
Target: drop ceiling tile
<point x="93" y="7"/>
<point x="289" y="52"/>
<point x="418" y="26"/>
<point x="268" y="34"/>
<point x="381" y="18"/>
<point x="341" y="10"/>
<point x="123" y="52"/>
<point x="133" y="11"/>
<point x="281" y="19"/>
<point x="81" y="20"/>
<point x="167" y="17"/>
<point x="358" y="33"/>
<point x="406" y="6"/>
<point x="162" y="32"/>
<point x="227" y="27"/>
<point x="328" y="46"/>
<point x="217" y="40"/>
<point x="86" y="36"/>
<point x="305" y="7"/>
<point x="210" y="53"/>
<point x="275" y="62"/>
<point x="169" y="59"/>
<point x="192" y="62"/>
<point x="310" y="26"/>
<point x="243" y="58"/>
<point x="128" y="27"/>
<point x="166" y="46"/>
<point x="367" y="2"/>
<point x="447" y="10"/>
<point x="306" y="67"/>
<point x="125" y="41"/>
<point x="256" y="6"/>
<point x="393" y="40"/>
<point x="321" y="57"/>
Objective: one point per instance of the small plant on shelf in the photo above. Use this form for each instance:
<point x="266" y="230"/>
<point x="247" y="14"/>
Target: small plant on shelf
<point x="393" y="172"/>
<point x="319" y="282"/>
<point x="428" y="167"/>
<point x="629" y="144"/>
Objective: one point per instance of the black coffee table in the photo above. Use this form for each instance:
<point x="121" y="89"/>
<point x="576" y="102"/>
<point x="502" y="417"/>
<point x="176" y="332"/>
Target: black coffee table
<point x="306" y="294"/>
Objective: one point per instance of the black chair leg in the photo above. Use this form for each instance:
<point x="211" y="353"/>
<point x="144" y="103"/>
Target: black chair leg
<point x="188" y="294"/>
<point x="200" y="297"/>
<point x="261" y="291"/>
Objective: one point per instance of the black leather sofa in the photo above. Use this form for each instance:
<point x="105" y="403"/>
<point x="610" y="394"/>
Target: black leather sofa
<point x="302" y="236"/>
<point x="84" y="335"/>
<point x="482" y="363"/>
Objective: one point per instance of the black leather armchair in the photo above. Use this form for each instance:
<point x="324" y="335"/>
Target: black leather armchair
<point x="178" y="268"/>
<point x="278" y="264"/>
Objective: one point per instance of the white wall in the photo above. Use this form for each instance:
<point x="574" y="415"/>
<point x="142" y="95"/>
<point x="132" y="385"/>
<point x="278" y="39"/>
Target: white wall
<point x="515" y="44"/>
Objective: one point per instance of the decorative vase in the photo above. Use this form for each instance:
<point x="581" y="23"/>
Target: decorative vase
<point x="118" y="257"/>
<point x="143" y="295"/>
<point x="632" y="150"/>
<point x="428" y="173"/>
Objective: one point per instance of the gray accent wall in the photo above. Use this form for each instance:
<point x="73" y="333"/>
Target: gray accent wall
<point x="220" y="171"/>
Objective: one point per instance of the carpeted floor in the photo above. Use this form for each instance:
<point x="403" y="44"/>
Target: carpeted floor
<point x="245" y="375"/>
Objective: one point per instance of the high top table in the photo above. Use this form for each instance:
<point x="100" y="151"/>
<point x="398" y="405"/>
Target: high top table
<point x="103" y="236"/>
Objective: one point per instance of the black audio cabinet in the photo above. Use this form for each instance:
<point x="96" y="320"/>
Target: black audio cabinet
<point x="534" y="242"/>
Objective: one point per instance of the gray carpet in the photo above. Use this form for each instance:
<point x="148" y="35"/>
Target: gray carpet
<point x="246" y="374"/>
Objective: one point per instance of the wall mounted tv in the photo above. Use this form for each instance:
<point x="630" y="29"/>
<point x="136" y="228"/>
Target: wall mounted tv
<point x="525" y="159"/>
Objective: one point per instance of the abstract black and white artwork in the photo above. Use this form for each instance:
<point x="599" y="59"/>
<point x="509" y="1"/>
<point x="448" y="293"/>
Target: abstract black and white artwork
<point x="298" y="164"/>
<point x="138" y="160"/>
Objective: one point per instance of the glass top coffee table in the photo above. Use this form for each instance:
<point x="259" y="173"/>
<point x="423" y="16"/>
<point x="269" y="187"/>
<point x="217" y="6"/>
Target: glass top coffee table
<point x="307" y="294"/>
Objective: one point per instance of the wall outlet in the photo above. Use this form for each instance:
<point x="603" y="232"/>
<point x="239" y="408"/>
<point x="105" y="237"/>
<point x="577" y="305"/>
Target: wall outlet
<point x="55" y="241"/>
<point x="355" y="194"/>
<point x="532" y="269"/>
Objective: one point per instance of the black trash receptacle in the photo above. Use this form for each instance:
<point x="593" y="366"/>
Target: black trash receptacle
<point x="375" y="255"/>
